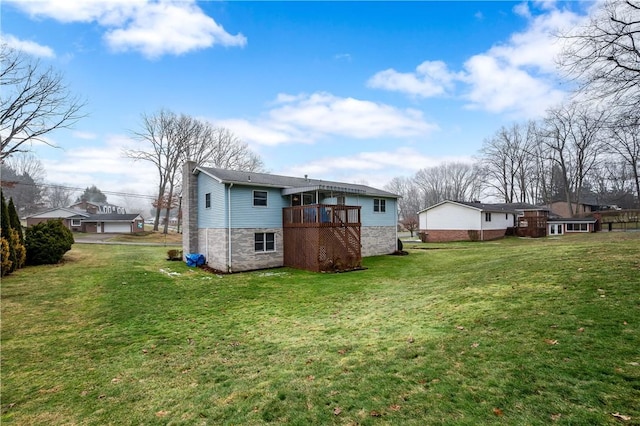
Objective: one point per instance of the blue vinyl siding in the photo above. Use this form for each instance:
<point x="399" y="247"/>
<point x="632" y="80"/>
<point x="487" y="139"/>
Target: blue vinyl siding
<point x="216" y="215"/>
<point x="371" y="218"/>
<point x="245" y="215"/>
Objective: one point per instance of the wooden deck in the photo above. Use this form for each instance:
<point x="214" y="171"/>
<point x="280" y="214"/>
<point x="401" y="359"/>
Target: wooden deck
<point x="322" y="237"/>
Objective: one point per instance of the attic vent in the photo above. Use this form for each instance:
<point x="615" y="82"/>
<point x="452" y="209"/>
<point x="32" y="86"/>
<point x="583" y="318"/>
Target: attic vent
<point x="249" y="178"/>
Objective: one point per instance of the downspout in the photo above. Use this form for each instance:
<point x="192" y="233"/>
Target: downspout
<point x="396" y="223"/>
<point x="229" y="230"/>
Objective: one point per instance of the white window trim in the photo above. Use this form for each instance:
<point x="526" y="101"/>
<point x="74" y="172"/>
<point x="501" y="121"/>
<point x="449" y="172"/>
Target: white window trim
<point x="381" y="201"/>
<point x="264" y="241"/>
<point x="253" y="200"/>
<point x="208" y="194"/>
<point x="573" y="225"/>
<point x="75" y="222"/>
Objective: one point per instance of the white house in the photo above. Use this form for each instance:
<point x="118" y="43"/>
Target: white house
<point x="465" y="221"/>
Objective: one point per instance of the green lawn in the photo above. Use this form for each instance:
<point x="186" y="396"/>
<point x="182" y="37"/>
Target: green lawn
<point x="514" y="332"/>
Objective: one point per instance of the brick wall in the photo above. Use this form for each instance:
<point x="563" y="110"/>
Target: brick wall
<point x="190" y="234"/>
<point x="243" y="253"/>
<point x="438" y="236"/>
<point x="378" y="240"/>
<point x="213" y="245"/>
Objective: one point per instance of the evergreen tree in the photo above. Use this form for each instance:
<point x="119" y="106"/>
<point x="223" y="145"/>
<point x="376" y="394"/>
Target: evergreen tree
<point x="14" y="220"/>
<point x="9" y="261"/>
<point x="5" y="222"/>
<point x="93" y="195"/>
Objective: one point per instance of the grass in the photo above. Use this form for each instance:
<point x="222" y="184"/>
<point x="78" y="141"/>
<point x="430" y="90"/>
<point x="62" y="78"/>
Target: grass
<point x="517" y="331"/>
<point x="153" y="237"/>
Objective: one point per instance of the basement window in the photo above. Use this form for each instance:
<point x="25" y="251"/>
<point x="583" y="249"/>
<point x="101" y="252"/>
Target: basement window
<point x="265" y="242"/>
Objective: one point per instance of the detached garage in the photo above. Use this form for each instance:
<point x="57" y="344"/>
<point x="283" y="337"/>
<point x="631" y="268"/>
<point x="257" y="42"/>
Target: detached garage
<point x="114" y="223"/>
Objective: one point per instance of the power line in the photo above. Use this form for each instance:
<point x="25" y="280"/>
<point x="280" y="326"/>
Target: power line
<point x="10" y="184"/>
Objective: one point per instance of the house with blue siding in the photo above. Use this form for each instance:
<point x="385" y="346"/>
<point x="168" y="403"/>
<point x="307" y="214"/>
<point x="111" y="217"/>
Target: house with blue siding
<point x="243" y="221"/>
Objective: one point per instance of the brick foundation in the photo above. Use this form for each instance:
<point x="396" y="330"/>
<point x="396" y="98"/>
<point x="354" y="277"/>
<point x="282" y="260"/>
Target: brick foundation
<point x="440" y="236"/>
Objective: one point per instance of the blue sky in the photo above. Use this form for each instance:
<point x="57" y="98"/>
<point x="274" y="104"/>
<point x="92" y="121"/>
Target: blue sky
<point x="349" y="91"/>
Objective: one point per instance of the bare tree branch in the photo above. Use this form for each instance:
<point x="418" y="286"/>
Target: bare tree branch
<point x="33" y="102"/>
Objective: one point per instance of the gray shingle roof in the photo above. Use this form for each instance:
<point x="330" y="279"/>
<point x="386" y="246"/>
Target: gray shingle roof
<point x="289" y="182"/>
<point x="112" y="217"/>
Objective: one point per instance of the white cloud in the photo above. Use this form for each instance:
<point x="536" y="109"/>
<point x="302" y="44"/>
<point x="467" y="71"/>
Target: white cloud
<point x="537" y="47"/>
<point x="308" y="118"/>
<point x="518" y="77"/>
<point x="343" y="57"/>
<point x="431" y="78"/>
<point x="153" y="28"/>
<point x="498" y="87"/>
<point x="84" y="135"/>
<point x="29" y="47"/>
<point x="376" y="168"/>
<point x="102" y="165"/>
<point x="162" y="28"/>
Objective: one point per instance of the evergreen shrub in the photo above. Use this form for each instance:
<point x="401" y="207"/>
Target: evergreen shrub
<point x="47" y="242"/>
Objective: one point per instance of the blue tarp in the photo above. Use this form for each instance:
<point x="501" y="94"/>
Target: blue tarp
<point x="195" y="259"/>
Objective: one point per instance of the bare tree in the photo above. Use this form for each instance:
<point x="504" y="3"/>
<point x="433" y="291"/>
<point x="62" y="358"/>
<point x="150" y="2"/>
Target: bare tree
<point x="624" y="140"/>
<point x="170" y="139"/>
<point x="27" y="163"/>
<point x="58" y="196"/>
<point x="408" y="203"/>
<point x="604" y="55"/>
<point x="509" y="163"/>
<point x="572" y="136"/>
<point x="33" y="102"/>
<point x="226" y="151"/>
<point x="449" y="181"/>
<point x="22" y="188"/>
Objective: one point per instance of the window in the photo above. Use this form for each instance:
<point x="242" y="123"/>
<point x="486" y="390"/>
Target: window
<point x="265" y="241"/>
<point x="75" y="222"/>
<point x="577" y="227"/>
<point x="340" y="200"/>
<point x="379" y="205"/>
<point x="487" y="217"/>
<point x="260" y="198"/>
<point x="207" y="200"/>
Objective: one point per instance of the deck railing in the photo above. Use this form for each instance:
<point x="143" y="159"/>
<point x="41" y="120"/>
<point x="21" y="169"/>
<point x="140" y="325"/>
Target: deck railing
<point x="321" y="215"/>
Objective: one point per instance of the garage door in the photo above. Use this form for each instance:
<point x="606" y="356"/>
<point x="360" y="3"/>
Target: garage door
<point x="117" y="227"/>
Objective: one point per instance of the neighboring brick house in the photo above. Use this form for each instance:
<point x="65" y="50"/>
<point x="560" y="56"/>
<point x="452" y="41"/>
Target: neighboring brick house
<point x="98" y="208"/>
<point x="71" y="218"/>
<point x="244" y="221"/>
<point x="465" y="221"/>
<point x="80" y="221"/>
<point x="561" y="209"/>
<point x="561" y="226"/>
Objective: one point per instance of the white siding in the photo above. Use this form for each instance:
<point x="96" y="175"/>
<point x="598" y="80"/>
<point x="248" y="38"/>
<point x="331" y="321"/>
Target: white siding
<point x="498" y="221"/>
<point x="451" y="216"/>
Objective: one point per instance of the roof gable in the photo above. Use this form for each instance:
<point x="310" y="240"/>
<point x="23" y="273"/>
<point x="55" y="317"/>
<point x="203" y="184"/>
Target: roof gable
<point x="59" y="212"/>
<point x="480" y="207"/>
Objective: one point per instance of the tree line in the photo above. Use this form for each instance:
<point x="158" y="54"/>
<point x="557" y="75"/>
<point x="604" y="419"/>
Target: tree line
<point x="587" y="148"/>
